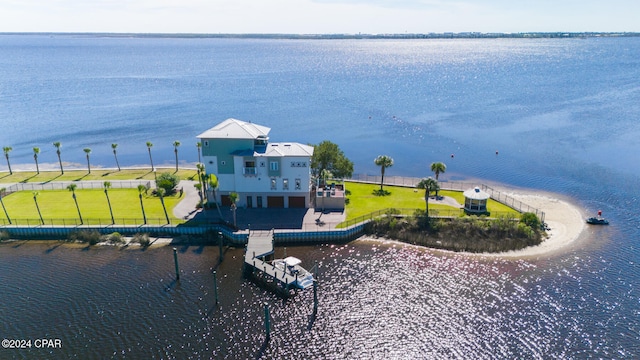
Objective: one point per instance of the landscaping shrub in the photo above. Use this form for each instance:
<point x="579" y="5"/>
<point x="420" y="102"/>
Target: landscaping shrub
<point x="86" y="236"/>
<point x="4" y="235"/>
<point x="168" y="182"/>
<point x="142" y="239"/>
<point x="115" y="238"/>
<point x="470" y="234"/>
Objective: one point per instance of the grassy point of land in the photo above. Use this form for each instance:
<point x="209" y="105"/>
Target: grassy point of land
<point x="96" y="175"/>
<point x="56" y="205"/>
<point x="363" y="200"/>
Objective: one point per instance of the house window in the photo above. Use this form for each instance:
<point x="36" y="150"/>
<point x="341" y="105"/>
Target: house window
<point x="206" y="143"/>
<point x="285" y="184"/>
<point x="298" y="184"/>
<point x="273" y="184"/>
<point x="262" y="164"/>
<point x="273" y="166"/>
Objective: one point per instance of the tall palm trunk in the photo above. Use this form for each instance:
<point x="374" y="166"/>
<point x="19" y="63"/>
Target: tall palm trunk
<point x="35" y="199"/>
<point x="35" y="158"/>
<point x="144" y="215"/>
<point x="4" y="208"/>
<point x="142" y="188"/>
<point x="77" y="207"/>
<point x="161" y="196"/>
<point x="107" y="185"/>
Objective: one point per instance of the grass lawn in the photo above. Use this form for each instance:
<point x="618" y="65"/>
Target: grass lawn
<point x="363" y="200"/>
<point x="56" y="205"/>
<point x="96" y="174"/>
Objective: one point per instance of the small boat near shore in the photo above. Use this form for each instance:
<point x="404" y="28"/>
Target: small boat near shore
<point x="291" y="266"/>
<point x="596" y="220"/>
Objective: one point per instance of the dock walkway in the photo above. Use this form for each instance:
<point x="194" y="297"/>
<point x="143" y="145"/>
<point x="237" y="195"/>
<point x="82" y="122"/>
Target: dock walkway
<point x="259" y="246"/>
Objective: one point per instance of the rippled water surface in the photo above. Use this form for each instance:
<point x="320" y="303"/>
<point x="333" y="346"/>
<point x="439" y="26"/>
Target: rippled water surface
<point x="376" y="300"/>
<point x="563" y="114"/>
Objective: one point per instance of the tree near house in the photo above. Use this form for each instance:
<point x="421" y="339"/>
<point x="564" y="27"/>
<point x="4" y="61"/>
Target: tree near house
<point x="201" y="177"/>
<point x="35" y="200"/>
<point x="149" y="146"/>
<point x="384" y="162"/>
<point x="36" y="151"/>
<point x="2" y="192"/>
<point x="328" y="156"/>
<point x="107" y="185"/>
<point x="233" y="197"/>
<point x="114" y="146"/>
<point x="175" y="150"/>
<point x="88" y="151"/>
<point x="142" y="189"/>
<point x="199" y="147"/>
<point x="72" y="188"/>
<point x="213" y="185"/>
<point x="438" y="168"/>
<point x="7" y="150"/>
<point x="58" y="145"/>
<point x="429" y="185"/>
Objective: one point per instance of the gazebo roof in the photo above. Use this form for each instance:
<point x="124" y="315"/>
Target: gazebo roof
<point x="476" y="194"/>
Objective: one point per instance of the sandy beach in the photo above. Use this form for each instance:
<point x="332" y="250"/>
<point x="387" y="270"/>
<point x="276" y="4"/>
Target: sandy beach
<point x="563" y="218"/>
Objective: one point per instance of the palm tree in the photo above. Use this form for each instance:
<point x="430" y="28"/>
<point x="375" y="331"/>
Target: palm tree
<point x="175" y="150"/>
<point x="58" y="145"/>
<point x="384" y="162"/>
<point x="142" y="189"/>
<point x="233" y="197"/>
<point x="201" y="175"/>
<point x="88" y="151"/>
<point x="36" y="151"/>
<point x="213" y="184"/>
<point x="107" y="185"/>
<point x="160" y="192"/>
<point x="35" y="199"/>
<point x="2" y="191"/>
<point x="72" y="188"/>
<point x="438" y="168"/>
<point x="199" y="146"/>
<point x="114" y="146"/>
<point x="149" y="146"/>
<point x="198" y="186"/>
<point x="7" y="150"/>
<point x="429" y="185"/>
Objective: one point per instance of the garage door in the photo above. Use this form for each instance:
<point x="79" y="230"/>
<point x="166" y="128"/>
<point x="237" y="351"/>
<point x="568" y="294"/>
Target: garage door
<point x="275" y="201"/>
<point x="297" y="202"/>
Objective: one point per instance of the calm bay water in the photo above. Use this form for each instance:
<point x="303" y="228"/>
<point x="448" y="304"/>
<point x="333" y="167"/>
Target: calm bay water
<point x="562" y="114"/>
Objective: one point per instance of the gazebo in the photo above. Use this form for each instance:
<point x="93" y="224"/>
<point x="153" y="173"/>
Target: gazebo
<point x="475" y="200"/>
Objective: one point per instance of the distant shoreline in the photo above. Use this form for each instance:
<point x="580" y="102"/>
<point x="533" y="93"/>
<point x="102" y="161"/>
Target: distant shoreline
<point x="444" y="35"/>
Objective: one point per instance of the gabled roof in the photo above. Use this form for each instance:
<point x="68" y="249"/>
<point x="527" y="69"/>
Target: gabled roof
<point x="235" y="129"/>
<point x="279" y="150"/>
<point x="288" y="149"/>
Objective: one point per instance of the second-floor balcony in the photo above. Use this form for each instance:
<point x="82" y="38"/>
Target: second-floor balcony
<point x="250" y="171"/>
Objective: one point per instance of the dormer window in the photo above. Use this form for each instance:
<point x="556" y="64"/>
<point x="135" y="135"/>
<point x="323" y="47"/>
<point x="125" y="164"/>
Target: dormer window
<point x="261" y="141"/>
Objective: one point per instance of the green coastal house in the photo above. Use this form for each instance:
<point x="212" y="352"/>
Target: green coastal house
<point x="263" y="174"/>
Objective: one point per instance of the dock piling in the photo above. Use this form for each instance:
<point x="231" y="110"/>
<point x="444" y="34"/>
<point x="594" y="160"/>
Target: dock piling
<point x="267" y="322"/>
<point x="315" y="297"/>
<point x="220" y="243"/>
<point x="215" y="285"/>
<point x="175" y="260"/>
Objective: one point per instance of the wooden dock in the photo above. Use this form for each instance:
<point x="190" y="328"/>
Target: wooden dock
<point x="259" y="248"/>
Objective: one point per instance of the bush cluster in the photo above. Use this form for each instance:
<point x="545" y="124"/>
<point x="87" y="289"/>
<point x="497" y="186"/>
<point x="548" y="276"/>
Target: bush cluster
<point x="4" y="235"/>
<point x="142" y="239"/>
<point x="470" y="234"/>
<point x="86" y="236"/>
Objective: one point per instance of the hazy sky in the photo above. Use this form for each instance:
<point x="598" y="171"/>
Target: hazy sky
<point x="318" y="16"/>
